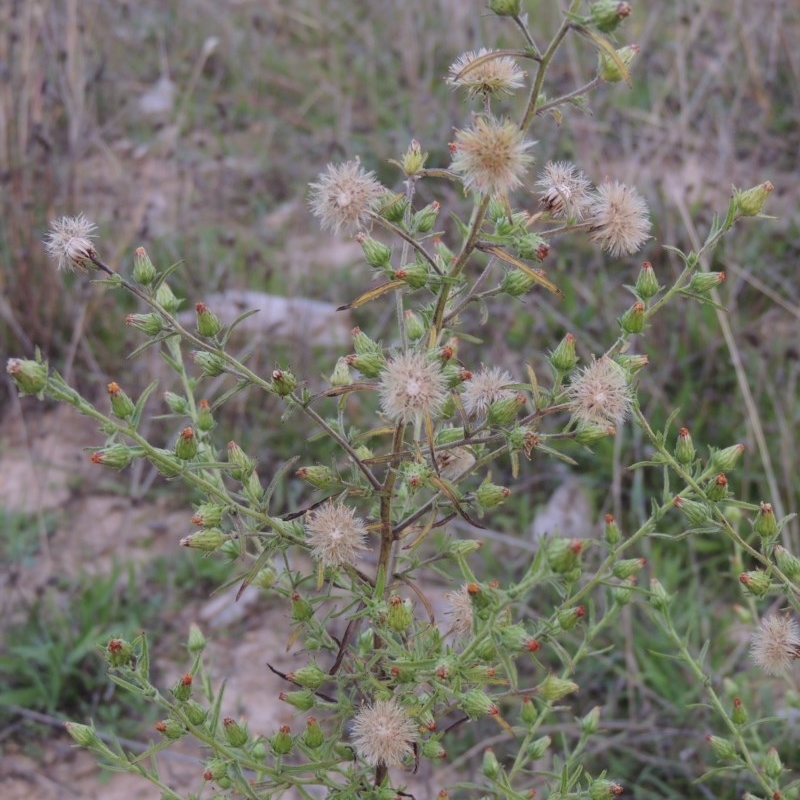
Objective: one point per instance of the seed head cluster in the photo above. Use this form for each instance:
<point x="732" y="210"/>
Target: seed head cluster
<point x="69" y="243"/>
<point x="565" y="190"/>
<point x="345" y="197"/>
<point x="776" y="644"/>
<point x="411" y="387"/>
<point x="491" y="156"/>
<point x="335" y="534"/>
<point x="599" y="394"/>
<point x="484" y="387"/>
<point x="383" y="733"/>
<point x="460" y="612"/>
<point x="619" y="218"/>
<point x="482" y="73"/>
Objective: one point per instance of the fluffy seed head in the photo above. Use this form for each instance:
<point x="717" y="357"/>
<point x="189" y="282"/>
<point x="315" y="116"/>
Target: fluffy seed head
<point x="69" y="243"/>
<point x="335" y="534"/>
<point x="460" y="612"/>
<point x="383" y="733"/>
<point x="484" y="387"/>
<point x="599" y="394"/>
<point x="491" y="156"/>
<point x="453" y="463"/>
<point x="619" y="218"/>
<point x="491" y="76"/>
<point x="412" y="386"/>
<point x="564" y="190"/>
<point x="345" y="196"/>
<point x="776" y="644"/>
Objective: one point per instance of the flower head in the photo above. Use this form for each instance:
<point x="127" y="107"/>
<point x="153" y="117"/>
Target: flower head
<point x="412" y="386"/>
<point x="484" y="387"/>
<point x="335" y="534"/>
<point x="345" y="196"/>
<point x="776" y="644"/>
<point x="69" y="243"/>
<point x="383" y="733"/>
<point x="599" y="394"/>
<point x="460" y="612"/>
<point x="492" y="156"/>
<point x="618" y="217"/>
<point x="491" y="75"/>
<point x="565" y="190"/>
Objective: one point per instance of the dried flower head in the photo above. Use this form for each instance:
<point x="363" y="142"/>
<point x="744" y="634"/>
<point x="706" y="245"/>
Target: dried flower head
<point x="383" y="733"/>
<point x="345" y="197"/>
<point x="335" y="534"/>
<point x="484" y="387"/>
<point x="565" y="190"/>
<point x="69" y="243"/>
<point x="492" y="156"/>
<point x="453" y="463"/>
<point x="460" y="612"/>
<point x="619" y="218"/>
<point x="599" y="394"/>
<point x="491" y="75"/>
<point x="776" y="644"/>
<point x="412" y="386"/>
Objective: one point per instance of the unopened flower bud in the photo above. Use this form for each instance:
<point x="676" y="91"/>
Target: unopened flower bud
<point x="370" y="366"/>
<point x="514" y="638"/>
<point x="632" y="363"/>
<point x="309" y="677"/>
<point x="568" y="618"/>
<point x="303" y="700"/>
<point x="739" y="712"/>
<point x="414" y="275"/>
<point x="319" y="476"/>
<point x="726" y="459"/>
<point x="504" y="410"/>
<point x="205" y="419"/>
<point x="590" y="722"/>
<point x="167" y="463"/>
<point x="414" y="159"/>
<point x="415" y="328"/>
<point x="505" y="8"/>
<point x="765" y="525"/>
<point x="646" y="282"/>
<point x="538" y="747"/>
<point x="119" y="653"/>
<point x="151" y="324"/>
<point x="143" y="270"/>
<point x="607" y="15"/>
<point x="529" y="713"/>
<point x="30" y="377"/>
<point x="424" y="219"/>
<point x="116" y="456"/>
<point x="302" y="610"/>
<point x="433" y="750"/>
<point x="341" y="374"/>
<point x="703" y="282"/>
<point x="313" y="736"/>
<point x="563" y="555"/>
<point x="490" y="766"/>
<point x="750" y="202"/>
<point x="83" y="735"/>
<point x="182" y="690"/>
<point x="211" y="365"/>
<point x="607" y="68"/>
<point x="531" y="247"/>
<point x="281" y="742"/>
<point x="476" y="704"/>
<point x="208" y="539"/>
<point x="166" y="299"/>
<point x="400" y="614"/>
<point x="684" y="448"/>
<point x="195" y="713"/>
<point x="215" y="769"/>
<point x="393" y="206"/>
<point x="756" y="582"/>
<point x="186" y="446"/>
<point x="696" y="513"/>
<point x="627" y="567"/>
<point x="242" y="465"/>
<point x="621" y="593"/>
<point x="176" y="403"/>
<point x="253" y="489"/>
<point x="376" y="253"/>
<point x="196" y="642"/>
<point x="363" y="345"/>
<point x="611" y="531"/>
<point x="208" y="323"/>
<point x="787" y="563"/>
<point x="659" y="598"/>
<point x="632" y="321"/>
<point x="489" y="495"/>
<point x="121" y="405"/>
<point x="722" y="747"/>
<point x="563" y="359"/>
<point x="601" y="789"/>
<point x="464" y="547"/>
<point x="235" y="732"/>
<point x="517" y="283"/>
<point x="589" y="433"/>
<point x="772" y="765"/>
<point x="283" y="382"/>
<point x="717" y="488"/>
<point x="553" y="688"/>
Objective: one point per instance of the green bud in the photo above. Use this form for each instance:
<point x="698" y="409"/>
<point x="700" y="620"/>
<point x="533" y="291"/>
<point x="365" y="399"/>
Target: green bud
<point x="208" y="539"/>
<point x="726" y="459"/>
<point x="717" y="488"/>
<point x="281" y="742"/>
<point x="208" y="323"/>
<point x="424" y="219"/>
<point x="121" y="405"/>
<point x="506" y="8"/>
<point x="588" y="434"/>
<point x="563" y="359"/>
<point x="514" y="638"/>
<point x="208" y="515"/>
<point x="606" y="16"/>
<point x="433" y="750"/>
<point x="30" y="377"/>
<point x="490" y="766"/>
<point x="621" y="594"/>
<point x="211" y="365"/>
<point x="170" y="728"/>
<point x="205" y="419"/>
<point x="393" y="206"/>
<point x="259" y="751"/>
<point x="568" y="618"/>
<point x="82" y="735"/>
<point x="684" y="448"/>
<point x="476" y="704"/>
<point x="341" y="374"/>
<point x="756" y="582"/>
<point x="182" y="690"/>
<point x="116" y="456"/>
<point x="529" y="713"/>
<point x="151" y="324"/>
<point x="563" y="555"/>
<point x="696" y="513"/>
<point x="627" y="567"/>
<point x="632" y="363"/>
<point x="766" y="526"/>
<point x="772" y="765"/>
<point x="722" y="747"/>
<point x="186" y="446"/>
<point x="196" y="642"/>
<point x="119" y="653"/>
<point x="414" y="159"/>
<point x="416" y="475"/>
<point x="313" y="736"/>
<point x="253" y="489"/>
<point x="489" y="495"/>
<point x="283" y="382"/>
<point x="632" y="321"/>
<point x="242" y="465"/>
<point x="750" y="202"/>
<point x="303" y="700"/>
<point x="787" y="563"/>
<point x="166" y="299"/>
<point x="376" y="254"/>
<point x="415" y="327"/>
<point x="176" y="403"/>
<point x="504" y="410"/>
<point x="363" y="345"/>
<point x="415" y="275"/>
<point x="538" y="747"/>
<point x="320" y="477"/>
<point x="143" y="270"/>
<point x="400" y="614"/>
<point x="659" y="598"/>
<point x="611" y="531"/>
<point x="646" y="282"/>
<point x="553" y="688"/>
<point x="215" y="770"/>
<point x="739" y="712"/>
<point x="235" y="732"/>
<point x="517" y="283"/>
<point x="266" y="577"/>
<point x="607" y="69"/>
<point x="370" y="366"/>
<point x="464" y="547"/>
<point x="590" y="722"/>
<point x="309" y="677"/>
<point x="531" y="247"/>
<point x="703" y="282"/>
<point x="601" y="789"/>
<point x="166" y="462"/>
